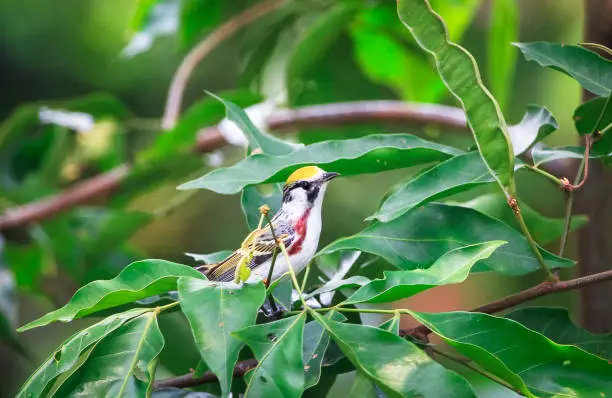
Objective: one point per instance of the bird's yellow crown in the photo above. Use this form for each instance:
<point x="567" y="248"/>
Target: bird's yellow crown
<point x="303" y="173"/>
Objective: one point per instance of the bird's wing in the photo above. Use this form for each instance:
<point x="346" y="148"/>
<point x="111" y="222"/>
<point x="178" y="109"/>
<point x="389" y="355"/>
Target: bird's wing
<point x="261" y="246"/>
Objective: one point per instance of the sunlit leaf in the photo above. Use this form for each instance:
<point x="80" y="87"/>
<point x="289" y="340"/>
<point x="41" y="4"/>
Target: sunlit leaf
<point x="537" y="123"/>
<point x="417" y="239"/>
<point x="152" y="20"/>
<point x="451" y="267"/>
<point x="394" y="364"/>
<point x="525" y="359"/>
<point x="349" y="157"/>
<point x="136" y="281"/>
<point x="122" y="364"/>
<point x="214" y="311"/>
<point x="278" y="348"/>
<point x="459" y="71"/>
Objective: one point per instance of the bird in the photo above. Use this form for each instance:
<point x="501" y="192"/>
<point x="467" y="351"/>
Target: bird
<point x="297" y="224"/>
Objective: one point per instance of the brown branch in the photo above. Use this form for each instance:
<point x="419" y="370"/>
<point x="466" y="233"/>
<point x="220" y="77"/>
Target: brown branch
<point x="210" y="139"/>
<point x="187" y="380"/>
<point x="543" y="289"/>
<point x="195" y="56"/>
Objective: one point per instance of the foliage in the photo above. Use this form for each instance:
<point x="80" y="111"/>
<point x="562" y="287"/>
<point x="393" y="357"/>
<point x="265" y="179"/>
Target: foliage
<point x="420" y="233"/>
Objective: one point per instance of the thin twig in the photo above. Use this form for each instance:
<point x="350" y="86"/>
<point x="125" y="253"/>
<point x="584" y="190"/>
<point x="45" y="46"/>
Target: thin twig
<point x="481" y="372"/>
<point x="544" y="173"/>
<point x="202" y="49"/>
<point x="569" y="204"/>
<point x="187" y="380"/>
<point x="271" y="271"/>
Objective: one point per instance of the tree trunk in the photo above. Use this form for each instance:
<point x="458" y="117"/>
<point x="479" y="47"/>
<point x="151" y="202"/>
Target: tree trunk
<point x="595" y="239"/>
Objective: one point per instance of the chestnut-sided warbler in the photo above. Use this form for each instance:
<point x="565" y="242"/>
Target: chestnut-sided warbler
<point x="297" y="224"/>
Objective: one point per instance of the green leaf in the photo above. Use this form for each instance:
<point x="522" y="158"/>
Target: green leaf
<point x="457" y="174"/>
<point x="67" y="355"/>
<point x="537" y="123"/>
<point x="547" y="154"/>
<point x="543" y="229"/>
<point x="335" y="284"/>
<point x="459" y="71"/>
<point x="417" y="238"/>
<point x="587" y="114"/>
<point x="394" y="364"/>
<point x="451" y="267"/>
<point x="318" y="38"/>
<point x="214" y="311"/>
<point x="122" y="364"/>
<point x="196" y="17"/>
<point x="520" y="356"/>
<point x="137" y="281"/>
<point x="316" y="341"/>
<point x="504" y="29"/>
<point x="349" y="157"/>
<point x="267" y="143"/>
<point x="593" y="72"/>
<point x="278" y="348"/>
<point x="252" y="199"/>
<point x="212" y="257"/>
<point x="555" y="323"/>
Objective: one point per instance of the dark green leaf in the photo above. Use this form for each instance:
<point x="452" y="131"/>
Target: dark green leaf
<point x="451" y="267"/>
<point x="318" y="38"/>
<point x="452" y="176"/>
<point x="459" y="71"/>
<point x="394" y="364"/>
<point x="555" y="323"/>
<point x="349" y="157"/>
<point x="214" y="311"/>
<point x="278" y="348"/>
<point x="173" y="392"/>
<point x="196" y="17"/>
<point x="252" y="199"/>
<point x="537" y="123"/>
<point x="122" y="364"/>
<point x="520" y="356"/>
<point x="316" y="341"/>
<point x="501" y="62"/>
<point x="267" y="143"/>
<point x="543" y="229"/>
<point x="592" y="71"/>
<point x="136" y="281"/>
<point x="67" y="355"/>
<point x="212" y="257"/>
<point x="587" y="114"/>
<point x="417" y="238"/>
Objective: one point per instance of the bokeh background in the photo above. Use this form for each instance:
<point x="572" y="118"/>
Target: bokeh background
<point x="59" y="51"/>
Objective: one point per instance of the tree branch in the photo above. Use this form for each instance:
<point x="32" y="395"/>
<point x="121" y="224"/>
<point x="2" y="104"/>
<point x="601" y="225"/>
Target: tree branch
<point x="195" y="56"/>
<point x="543" y="289"/>
<point x="210" y="139"/>
<point x="187" y="380"/>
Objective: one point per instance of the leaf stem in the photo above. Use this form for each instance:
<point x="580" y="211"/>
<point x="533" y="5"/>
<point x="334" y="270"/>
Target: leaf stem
<point x="569" y="204"/>
<point x="274" y="255"/>
<point x="296" y="284"/>
<point x="166" y="307"/>
<point x="545" y="174"/>
<point x="473" y="368"/>
<point x="305" y="278"/>
<point x="532" y="243"/>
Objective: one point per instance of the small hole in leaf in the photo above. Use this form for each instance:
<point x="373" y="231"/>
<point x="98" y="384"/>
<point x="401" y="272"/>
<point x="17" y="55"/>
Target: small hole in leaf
<point x="271" y="336"/>
<point x="263" y="379"/>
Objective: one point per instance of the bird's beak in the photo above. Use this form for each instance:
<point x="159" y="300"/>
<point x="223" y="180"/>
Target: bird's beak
<point x="329" y="176"/>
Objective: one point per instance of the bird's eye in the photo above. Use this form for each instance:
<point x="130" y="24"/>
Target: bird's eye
<point x="306" y="185"/>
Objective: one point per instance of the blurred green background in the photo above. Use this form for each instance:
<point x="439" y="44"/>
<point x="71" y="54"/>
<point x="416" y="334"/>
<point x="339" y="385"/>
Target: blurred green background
<point x="54" y="51"/>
